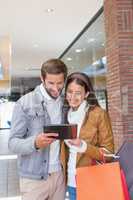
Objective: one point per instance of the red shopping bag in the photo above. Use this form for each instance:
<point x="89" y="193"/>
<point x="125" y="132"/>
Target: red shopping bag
<point x="124" y="184"/>
<point x="100" y="182"/>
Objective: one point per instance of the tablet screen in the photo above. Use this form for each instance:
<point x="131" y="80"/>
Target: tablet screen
<point x="65" y="131"/>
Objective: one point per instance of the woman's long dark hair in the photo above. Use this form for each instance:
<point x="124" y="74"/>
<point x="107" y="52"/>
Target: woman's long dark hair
<point x="83" y="80"/>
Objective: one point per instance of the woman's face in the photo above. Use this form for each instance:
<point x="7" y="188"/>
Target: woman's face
<point x="75" y="94"/>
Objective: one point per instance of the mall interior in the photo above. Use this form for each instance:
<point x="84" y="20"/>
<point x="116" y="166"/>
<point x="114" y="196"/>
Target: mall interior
<point x="102" y="48"/>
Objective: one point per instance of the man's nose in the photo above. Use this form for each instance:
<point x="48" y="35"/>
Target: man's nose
<point x="56" y="88"/>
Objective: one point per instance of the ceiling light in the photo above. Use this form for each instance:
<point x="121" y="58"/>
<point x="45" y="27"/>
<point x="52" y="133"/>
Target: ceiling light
<point x="69" y="58"/>
<point x="78" y="50"/>
<point x="49" y="10"/>
<point x="91" y="40"/>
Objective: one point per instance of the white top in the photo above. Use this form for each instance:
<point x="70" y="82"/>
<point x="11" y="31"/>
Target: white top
<point x="54" y="109"/>
<point x="75" y="117"/>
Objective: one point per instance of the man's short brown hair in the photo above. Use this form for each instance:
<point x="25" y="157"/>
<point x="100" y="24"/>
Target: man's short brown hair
<point x="53" y="66"/>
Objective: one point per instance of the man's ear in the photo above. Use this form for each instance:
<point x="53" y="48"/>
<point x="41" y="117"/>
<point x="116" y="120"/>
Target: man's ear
<point x="41" y="79"/>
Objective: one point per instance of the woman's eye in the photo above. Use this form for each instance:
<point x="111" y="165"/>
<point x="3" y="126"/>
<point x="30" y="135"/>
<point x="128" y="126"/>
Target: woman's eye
<point x="76" y="93"/>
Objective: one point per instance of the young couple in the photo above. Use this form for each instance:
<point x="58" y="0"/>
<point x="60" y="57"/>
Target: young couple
<point x="42" y="159"/>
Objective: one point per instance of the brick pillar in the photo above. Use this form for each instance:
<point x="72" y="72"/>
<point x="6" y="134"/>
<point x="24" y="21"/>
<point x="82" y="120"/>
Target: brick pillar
<point x="118" y="16"/>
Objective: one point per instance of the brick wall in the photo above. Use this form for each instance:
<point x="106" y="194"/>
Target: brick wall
<point x="118" y="17"/>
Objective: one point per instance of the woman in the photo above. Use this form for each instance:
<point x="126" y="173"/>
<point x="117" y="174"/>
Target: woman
<point x="94" y="133"/>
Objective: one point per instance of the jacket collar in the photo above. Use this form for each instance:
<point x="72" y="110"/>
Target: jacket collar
<point x="38" y="95"/>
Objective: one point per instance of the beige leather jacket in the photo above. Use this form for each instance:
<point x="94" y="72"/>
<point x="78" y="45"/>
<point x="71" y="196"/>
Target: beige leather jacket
<point x="97" y="132"/>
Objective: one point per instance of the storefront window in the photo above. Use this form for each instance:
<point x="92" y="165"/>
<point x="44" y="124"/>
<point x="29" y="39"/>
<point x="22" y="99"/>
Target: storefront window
<point x="87" y="54"/>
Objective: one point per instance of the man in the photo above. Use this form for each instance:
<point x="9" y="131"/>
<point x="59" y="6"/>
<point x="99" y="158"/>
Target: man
<point x="40" y="169"/>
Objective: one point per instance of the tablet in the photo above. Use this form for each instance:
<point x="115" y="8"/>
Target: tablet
<point x="65" y="131"/>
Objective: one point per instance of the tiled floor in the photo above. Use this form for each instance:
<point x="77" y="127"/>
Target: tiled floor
<point x="9" y="180"/>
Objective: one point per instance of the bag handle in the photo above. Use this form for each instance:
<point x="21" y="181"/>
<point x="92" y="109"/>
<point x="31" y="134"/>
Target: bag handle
<point x="106" y="153"/>
<point x="101" y="150"/>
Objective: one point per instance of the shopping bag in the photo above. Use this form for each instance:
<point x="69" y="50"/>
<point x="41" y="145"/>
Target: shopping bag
<point x="100" y="182"/>
<point x="125" y="159"/>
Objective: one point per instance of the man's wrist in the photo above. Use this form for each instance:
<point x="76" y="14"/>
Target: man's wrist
<point x="35" y="145"/>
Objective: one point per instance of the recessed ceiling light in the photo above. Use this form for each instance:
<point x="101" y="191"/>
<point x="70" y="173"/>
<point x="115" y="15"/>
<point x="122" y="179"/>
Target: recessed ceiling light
<point x="91" y="40"/>
<point x="49" y="10"/>
<point x="78" y="50"/>
<point x="103" y="44"/>
<point x="69" y="58"/>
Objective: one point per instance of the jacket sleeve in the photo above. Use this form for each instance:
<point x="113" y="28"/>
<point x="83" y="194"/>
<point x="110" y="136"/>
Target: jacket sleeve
<point x="104" y="137"/>
<point x="18" y="142"/>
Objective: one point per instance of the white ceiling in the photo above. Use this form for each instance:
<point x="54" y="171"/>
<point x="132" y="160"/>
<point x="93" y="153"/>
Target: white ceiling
<point x="37" y="35"/>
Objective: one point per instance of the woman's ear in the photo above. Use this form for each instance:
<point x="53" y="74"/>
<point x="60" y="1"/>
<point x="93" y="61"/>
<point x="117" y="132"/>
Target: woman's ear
<point x="86" y="95"/>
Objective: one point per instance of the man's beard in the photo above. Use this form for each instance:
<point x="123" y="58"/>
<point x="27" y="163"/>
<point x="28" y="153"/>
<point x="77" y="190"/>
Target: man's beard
<point x="48" y="91"/>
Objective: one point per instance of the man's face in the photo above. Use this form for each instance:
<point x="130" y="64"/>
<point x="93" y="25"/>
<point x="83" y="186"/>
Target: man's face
<point x="53" y="84"/>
